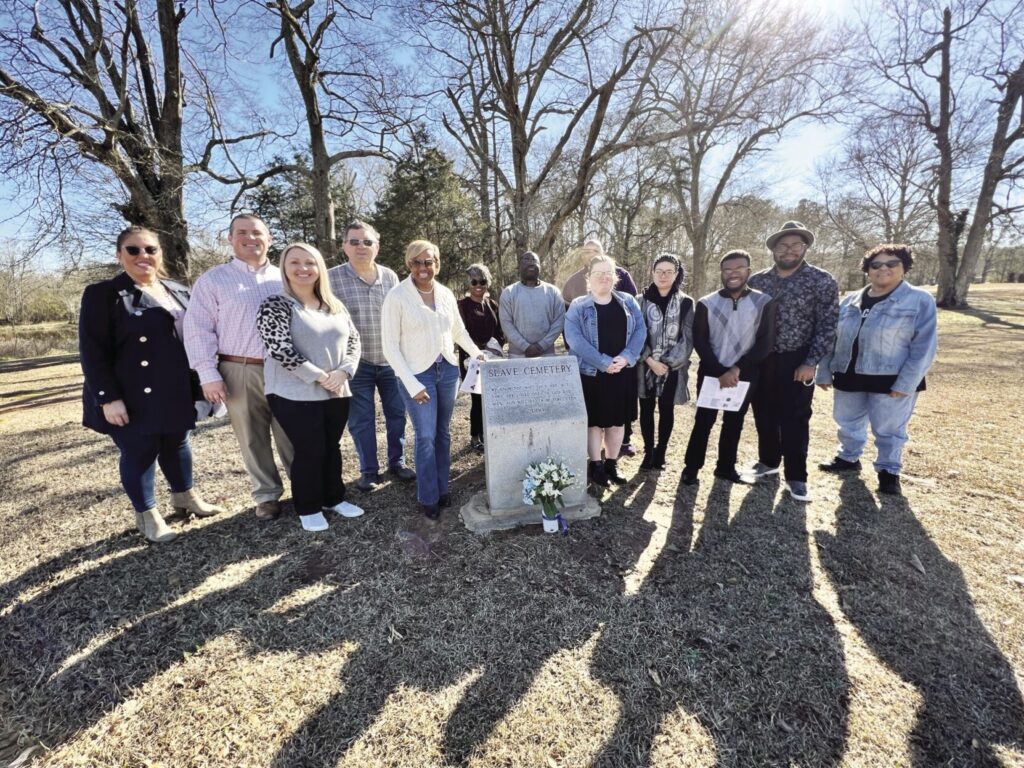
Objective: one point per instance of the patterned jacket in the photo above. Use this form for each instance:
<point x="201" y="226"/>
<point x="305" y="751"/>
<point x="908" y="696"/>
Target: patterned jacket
<point x="807" y="309"/>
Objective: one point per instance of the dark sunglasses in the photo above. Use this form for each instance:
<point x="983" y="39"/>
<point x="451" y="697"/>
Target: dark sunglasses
<point x="475" y="282"/>
<point x="890" y="264"/>
<point x="422" y="263"/>
<point x="354" y="241"/>
<point x="134" y="250"/>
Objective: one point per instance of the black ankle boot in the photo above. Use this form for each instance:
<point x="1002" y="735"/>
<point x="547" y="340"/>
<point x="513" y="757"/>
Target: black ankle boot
<point x="611" y="470"/>
<point x="659" y="456"/>
<point x="649" y="455"/>
<point x="597" y="474"/>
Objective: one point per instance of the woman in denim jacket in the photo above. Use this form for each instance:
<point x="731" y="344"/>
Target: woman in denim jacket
<point x="885" y="344"/>
<point x="605" y="331"/>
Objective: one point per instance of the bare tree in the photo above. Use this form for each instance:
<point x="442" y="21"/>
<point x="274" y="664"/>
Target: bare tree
<point x="740" y="80"/>
<point x="79" y="81"/>
<point x="560" y="83"/>
<point x="938" y="62"/>
<point x="346" y="91"/>
<point x="880" y="187"/>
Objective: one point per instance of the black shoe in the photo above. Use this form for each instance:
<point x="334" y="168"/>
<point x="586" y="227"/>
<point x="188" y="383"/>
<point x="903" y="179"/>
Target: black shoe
<point x="659" y="456"/>
<point x="648" y="462"/>
<point x="597" y="474"/>
<point x="431" y="511"/>
<point x="689" y="477"/>
<point x="611" y="470"/>
<point x="367" y="481"/>
<point x="477" y="444"/>
<point x="840" y="465"/>
<point x="733" y="476"/>
<point x="402" y="472"/>
<point x="627" y="450"/>
<point x="444" y="500"/>
<point x="889" y="483"/>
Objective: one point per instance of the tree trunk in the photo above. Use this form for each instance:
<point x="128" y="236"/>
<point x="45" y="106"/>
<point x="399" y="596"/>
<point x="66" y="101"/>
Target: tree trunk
<point x="948" y="238"/>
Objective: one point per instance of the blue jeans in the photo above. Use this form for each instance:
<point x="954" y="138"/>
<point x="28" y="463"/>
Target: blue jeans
<point x="888" y="417"/>
<point x="431" y="424"/>
<point x="139" y="456"/>
<point x="362" y="417"/>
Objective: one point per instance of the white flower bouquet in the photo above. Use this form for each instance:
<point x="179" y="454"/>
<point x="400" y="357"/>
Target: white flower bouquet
<point x="543" y="484"/>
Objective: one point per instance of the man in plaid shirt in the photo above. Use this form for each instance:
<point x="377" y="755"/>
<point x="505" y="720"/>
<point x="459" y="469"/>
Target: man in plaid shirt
<point x="362" y="284"/>
<point x="226" y="350"/>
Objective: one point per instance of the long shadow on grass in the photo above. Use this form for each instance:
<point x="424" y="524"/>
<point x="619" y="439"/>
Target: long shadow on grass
<point x="70" y="653"/>
<point x="499" y="617"/>
<point x="924" y="627"/>
<point x="729" y="633"/>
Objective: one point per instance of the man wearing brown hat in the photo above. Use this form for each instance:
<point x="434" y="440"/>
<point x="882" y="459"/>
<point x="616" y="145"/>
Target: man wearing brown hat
<point x="807" y="300"/>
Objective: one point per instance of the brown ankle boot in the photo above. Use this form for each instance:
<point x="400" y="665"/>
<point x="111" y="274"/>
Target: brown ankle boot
<point x="155" y="529"/>
<point x="189" y="501"/>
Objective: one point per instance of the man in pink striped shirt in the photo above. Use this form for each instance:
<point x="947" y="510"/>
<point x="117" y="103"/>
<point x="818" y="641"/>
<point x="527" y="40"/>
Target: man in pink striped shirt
<point x="227" y="352"/>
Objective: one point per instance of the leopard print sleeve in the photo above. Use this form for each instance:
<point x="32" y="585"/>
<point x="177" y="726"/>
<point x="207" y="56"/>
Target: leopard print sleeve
<point x="274" y="322"/>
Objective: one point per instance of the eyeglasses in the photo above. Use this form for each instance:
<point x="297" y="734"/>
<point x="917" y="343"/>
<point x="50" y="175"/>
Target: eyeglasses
<point x="887" y="264"/>
<point x="134" y="250"/>
<point x="791" y="247"/>
<point x="734" y="270"/>
<point x="601" y="273"/>
<point x="423" y="263"/>
<point x="664" y="272"/>
<point x="354" y="241"/>
<point x="475" y="282"/>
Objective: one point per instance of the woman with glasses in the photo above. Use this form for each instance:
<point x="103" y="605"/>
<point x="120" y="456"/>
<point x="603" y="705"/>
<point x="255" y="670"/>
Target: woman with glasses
<point x="605" y="331"/>
<point x="662" y="379"/>
<point x="138" y="387"/>
<point x="885" y="344"/>
<point x="420" y="326"/>
<point x="479" y="313"/>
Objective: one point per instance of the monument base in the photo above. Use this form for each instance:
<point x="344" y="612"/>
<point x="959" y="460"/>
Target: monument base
<point x="480" y="518"/>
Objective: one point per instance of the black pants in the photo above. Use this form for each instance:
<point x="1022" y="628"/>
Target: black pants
<point x="476" y="416"/>
<point x="728" y="440"/>
<point x="782" y="414"/>
<point x="314" y="428"/>
<point x="666" y="413"/>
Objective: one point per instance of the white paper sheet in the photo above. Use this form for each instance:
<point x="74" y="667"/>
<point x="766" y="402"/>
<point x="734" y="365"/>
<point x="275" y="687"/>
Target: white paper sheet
<point x="713" y="396"/>
<point x="471" y="381"/>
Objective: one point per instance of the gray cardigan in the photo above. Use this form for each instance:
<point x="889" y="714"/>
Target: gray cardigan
<point x="302" y="345"/>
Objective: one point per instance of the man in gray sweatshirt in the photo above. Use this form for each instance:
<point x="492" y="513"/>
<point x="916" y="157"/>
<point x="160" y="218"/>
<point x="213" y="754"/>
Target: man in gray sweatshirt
<point x="532" y="312"/>
<point x="733" y="332"/>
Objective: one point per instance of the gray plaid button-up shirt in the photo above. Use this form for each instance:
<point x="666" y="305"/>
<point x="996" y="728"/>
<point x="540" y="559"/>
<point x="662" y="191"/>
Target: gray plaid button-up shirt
<point x="364" y="301"/>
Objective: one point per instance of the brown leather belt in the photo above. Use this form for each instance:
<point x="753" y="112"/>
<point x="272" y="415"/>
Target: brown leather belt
<point x="242" y="360"/>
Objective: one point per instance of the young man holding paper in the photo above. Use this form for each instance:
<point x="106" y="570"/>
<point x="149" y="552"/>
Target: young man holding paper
<point x="733" y="331"/>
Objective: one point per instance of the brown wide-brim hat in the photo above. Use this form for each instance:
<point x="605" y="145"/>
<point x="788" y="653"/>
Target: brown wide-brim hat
<point x="790" y="228"/>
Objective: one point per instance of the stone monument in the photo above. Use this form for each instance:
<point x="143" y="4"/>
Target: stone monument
<point x="533" y="409"/>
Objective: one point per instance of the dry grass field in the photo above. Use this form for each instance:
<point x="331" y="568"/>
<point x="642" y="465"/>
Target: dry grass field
<point x="717" y="626"/>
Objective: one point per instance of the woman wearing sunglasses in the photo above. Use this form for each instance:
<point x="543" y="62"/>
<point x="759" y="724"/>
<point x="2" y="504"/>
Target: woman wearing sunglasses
<point x="480" y="315"/>
<point x="886" y="343"/>
<point x="138" y="387"/>
<point x="420" y="327"/>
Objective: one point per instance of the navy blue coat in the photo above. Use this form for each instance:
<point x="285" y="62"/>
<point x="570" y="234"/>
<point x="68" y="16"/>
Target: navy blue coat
<point x="131" y="352"/>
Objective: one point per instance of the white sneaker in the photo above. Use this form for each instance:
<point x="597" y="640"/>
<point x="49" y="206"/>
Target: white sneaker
<point x="798" y="490"/>
<point x="345" y="509"/>
<point x="314" y="522"/>
<point x="760" y="470"/>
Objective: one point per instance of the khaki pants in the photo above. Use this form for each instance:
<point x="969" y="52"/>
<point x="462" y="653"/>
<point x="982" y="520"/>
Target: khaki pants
<point x="253" y="423"/>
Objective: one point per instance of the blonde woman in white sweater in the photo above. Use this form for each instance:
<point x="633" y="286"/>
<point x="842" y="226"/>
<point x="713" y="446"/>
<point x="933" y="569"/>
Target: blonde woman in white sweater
<point x="420" y="327"/>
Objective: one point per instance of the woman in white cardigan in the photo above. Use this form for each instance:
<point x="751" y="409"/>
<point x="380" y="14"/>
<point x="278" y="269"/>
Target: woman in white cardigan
<point x="420" y="327"/>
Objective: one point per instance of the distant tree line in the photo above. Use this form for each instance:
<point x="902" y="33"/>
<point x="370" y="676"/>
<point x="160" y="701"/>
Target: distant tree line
<point x="495" y="127"/>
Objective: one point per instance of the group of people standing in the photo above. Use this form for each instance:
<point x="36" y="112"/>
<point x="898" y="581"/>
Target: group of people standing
<point x="298" y="353"/>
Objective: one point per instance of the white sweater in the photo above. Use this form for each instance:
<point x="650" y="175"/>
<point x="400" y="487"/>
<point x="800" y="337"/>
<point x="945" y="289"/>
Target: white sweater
<point x="413" y="334"/>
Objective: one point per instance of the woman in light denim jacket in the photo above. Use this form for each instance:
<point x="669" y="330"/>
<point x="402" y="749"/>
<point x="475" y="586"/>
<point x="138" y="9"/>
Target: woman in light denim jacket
<point x="607" y="351"/>
<point x="885" y="344"/>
